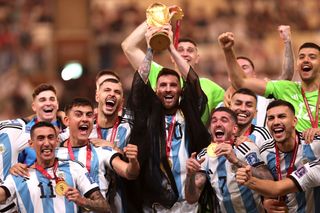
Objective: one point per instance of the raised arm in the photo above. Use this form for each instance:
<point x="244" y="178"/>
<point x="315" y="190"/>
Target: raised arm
<point x="130" y="46"/>
<point x="267" y="188"/>
<point x="236" y="74"/>
<point x="181" y="63"/>
<point x="288" y="58"/>
<point x="127" y="170"/>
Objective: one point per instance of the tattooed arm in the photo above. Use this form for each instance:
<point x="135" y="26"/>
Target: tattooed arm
<point x="261" y="171"/>
<point x="194" y="186"/>
<point x="95" y="202"/>
<point x="195" y="180"/>
<point x="288" y="61"/>
<point x="144" y="68"/>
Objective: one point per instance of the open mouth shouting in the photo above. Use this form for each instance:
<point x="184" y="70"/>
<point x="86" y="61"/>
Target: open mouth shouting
<point x="84" y="129"/>
<point x="277" y="131"/>
<point x="219" y="135"/>
<point x="48" y="110"/>
<point x="110" y="103"/>
<point x="306" y="67"/>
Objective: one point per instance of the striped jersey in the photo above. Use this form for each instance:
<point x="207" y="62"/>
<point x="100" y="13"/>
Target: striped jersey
<point x="101" y="158"/>
<point x="122" y="132"/>
<point x="307" y="177"/>
<point x="178" y="153"/>
<point x="233" y="198"/>
<point x="37" y="193"/>
<point x="260" y="135"/>
<point x="301" y="201"/>
<point x="11" y="143"/>
<point x="262" y="103"/>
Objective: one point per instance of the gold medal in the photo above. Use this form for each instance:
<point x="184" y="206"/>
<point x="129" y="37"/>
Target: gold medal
<point x="211" y="150"/>
<point x="61" y="187"/>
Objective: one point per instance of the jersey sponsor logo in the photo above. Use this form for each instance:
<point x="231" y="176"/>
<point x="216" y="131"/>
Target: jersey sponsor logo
<point x="252" y="158"/>
<point x="300" y="172"/>
<point x="89" y="178"/>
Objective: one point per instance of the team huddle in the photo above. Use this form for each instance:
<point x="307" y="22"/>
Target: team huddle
<point x="180" y="143"/>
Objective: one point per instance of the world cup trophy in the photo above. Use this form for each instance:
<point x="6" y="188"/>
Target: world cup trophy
<point x="158" y="15"/>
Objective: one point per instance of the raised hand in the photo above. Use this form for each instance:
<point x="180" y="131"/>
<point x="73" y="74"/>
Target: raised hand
<point x="285" y="32"/>
<point x="194" y="165"/>
<point x="226" y="40"/>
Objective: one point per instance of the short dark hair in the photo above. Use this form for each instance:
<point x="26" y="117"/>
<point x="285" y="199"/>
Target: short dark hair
<point x="279" y="102"/>
<point x="232" y="114"/>
<point x="309" y="45"/>
<point x="245" y="91"/>
<point x="187" y="40"/>
<point x="107" y="72"/>
<point x="41" y="124"/>
<point x="43" y="87"/>
<point x="167" y="71"/>
<point x="112" y="80"/>
<point x="80" y="101"/>
<point x="247" y="59"/>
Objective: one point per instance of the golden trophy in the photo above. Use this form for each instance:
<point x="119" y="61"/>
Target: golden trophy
<point x="158" y="15"/>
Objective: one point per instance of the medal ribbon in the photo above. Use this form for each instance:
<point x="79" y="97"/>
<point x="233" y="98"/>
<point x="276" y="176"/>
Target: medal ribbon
<point x="170" y="133"/>
<point x="88" y="157"/>
<point x="247" y="132"/>
<point x="314" y="121"/>
<point x="45" y="173"/>
<point x="113" y="133"/>
<point x="293" y="159"/>
<point x="177" y="34"/>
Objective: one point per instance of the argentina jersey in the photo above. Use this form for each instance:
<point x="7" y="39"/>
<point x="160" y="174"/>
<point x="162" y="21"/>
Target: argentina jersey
<point x="178" y="153"/>
<point x="11" y="143"/>
<point x="101" y="158"/>
<point x="307" y="176"/>
<point x="261" y="116"/>
<point x="260" y="135"/>
<point x="233" y="198"/>
<point x="301" y="201"/>
<point x="122" y="133"/>
<point x="37" y="193"/>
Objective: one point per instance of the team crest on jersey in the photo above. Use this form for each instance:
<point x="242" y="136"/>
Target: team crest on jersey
<point x="304" y="161"/>
<point x="2" y="148"/>
<point x="300" y="172"/>
<point x="252" y="158"/>
<point x="89" y="177"/>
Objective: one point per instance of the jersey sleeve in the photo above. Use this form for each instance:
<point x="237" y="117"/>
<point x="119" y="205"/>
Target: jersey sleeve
<point x="275" y="89"/>
<point x="307" y="176"/>
<point x="204" y="164"/>
<point x="84" y="182"/>
<point x="109" y="154"/>
<point x="249" y="152"/>
<point x="9" y="186"/>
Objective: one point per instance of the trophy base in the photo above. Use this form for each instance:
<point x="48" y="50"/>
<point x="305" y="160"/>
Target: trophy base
<point x="159" y="42"/>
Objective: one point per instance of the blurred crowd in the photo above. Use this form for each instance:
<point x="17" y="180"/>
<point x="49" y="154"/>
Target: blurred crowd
<point x="26" y="41"/>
